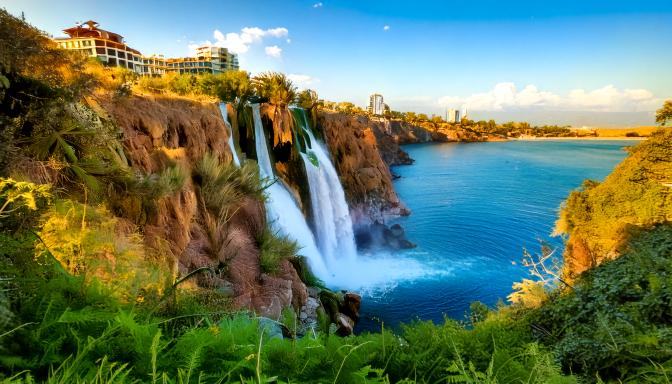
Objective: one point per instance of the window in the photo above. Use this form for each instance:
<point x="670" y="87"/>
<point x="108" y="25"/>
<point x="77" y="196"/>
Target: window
<point x="111" y="52"/>
<point x="100" y="51"/>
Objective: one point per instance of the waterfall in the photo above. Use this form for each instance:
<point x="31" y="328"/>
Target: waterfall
<point x="282" y="210"/>
<point x="331" y="214"/>
<point x="225" y="115"/>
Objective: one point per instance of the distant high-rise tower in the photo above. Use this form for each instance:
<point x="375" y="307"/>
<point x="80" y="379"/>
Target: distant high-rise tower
<point x="453" y="116"/>
<point x="376" y="105"/>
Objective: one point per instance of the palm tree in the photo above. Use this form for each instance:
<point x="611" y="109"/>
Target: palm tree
<point x="276" y="87"/>
<point x="279" y="92"/>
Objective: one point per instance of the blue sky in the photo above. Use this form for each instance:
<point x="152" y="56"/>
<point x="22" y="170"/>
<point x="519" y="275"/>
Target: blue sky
<point x="581" y="62"/>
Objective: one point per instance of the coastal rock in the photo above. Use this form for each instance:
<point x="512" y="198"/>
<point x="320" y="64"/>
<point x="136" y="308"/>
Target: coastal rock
<point x="378" y="235"/>
<point x="397" y="231"/>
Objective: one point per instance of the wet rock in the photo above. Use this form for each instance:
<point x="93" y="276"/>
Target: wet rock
<point x="308" y="316"/>
<point x="397" y="230"/>
<point x="351" y="304"/>
<point x="344" y="325"/>
<point x="272" y="329"/>
<point x="378" y="235"/>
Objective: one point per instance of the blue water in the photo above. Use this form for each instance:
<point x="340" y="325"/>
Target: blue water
<point x="475" y="207"/>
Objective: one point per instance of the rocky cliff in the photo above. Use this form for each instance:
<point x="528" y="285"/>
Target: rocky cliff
<point x="161" y="131"/>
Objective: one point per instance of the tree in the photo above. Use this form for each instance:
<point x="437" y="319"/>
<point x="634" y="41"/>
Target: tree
<point x="346" y="107"/>
<point x="664" y="114"/>
<point x="276" y="87"/>
<point x="309" y="101"/>
<point x="232" y="85"/>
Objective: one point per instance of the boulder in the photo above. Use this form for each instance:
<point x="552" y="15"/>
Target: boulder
<point x="351" y="304"/>
<point x="397" y="230"/>
<point x="344" y="324"/>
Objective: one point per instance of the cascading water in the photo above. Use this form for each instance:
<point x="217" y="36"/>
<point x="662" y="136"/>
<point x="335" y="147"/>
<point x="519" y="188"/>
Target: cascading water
<point x="335" y="261"/>
<point x="225" y="115"/>
<point x="282" y="210"/>
<point x="331" y="214"/>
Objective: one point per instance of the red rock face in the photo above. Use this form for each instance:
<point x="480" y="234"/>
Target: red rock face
<point x="159" y="131"/>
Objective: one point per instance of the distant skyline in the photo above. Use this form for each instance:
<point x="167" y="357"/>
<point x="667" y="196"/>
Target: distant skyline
<point x="572" y="62"/>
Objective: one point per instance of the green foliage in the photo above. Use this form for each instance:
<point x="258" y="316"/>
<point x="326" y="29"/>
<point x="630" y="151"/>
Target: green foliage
<point x="615" y="323"/>
<point x="308" y="100"/>
<point x="274" y="249"/>
<point x="302" y="268"/>
<point x="222" y="188"/>
<point x="15" y="195"/>
<point x="87" y="241"/>
<point x="664" y="114"/>
<point x="289" y="320"/>
<point x="224" y="185"/>
<point x="136" y="196"/>
<point x="275" y="87"/>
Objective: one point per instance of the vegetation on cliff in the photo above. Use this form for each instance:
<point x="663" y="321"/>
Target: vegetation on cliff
<point x="600" y="218"/>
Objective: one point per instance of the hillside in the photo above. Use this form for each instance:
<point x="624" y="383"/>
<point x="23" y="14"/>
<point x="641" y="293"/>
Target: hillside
<point x="599" y="219"/>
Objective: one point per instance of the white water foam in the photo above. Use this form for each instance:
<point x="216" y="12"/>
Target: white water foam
<point x="331" y="214"/>
<point x="232" y="147"/>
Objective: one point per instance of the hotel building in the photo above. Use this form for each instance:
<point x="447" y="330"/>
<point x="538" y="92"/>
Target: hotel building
<point x="107" y="46"/>
<point x="110" y="48"/>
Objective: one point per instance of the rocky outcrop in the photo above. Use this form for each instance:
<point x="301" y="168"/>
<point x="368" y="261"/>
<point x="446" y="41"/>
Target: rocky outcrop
<point x="342" y="309"/>
<point x="163" y="131"/>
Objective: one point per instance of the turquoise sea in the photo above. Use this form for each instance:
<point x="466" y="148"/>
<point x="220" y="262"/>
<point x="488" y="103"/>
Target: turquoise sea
<point x="475" y="207"/>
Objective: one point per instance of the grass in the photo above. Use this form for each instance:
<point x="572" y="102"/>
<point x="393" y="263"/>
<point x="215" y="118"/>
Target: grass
<point x="275" y="248"/>
<point x="643" y="131"/>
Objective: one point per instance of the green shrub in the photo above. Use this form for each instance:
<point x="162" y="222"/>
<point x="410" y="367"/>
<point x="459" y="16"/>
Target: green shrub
<point x="615" y="323"/>
<point x="275" y="248"/>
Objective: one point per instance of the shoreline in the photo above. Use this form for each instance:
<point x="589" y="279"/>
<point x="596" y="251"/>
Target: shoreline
<point x="608" y="138"/>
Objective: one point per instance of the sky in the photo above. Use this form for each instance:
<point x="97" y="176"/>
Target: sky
<point x="599" y="62"/>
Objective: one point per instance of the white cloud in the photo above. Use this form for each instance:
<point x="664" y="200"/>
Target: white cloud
<point x="506" y="96"/>
<point x="273" y="51"/>
<point x="289" y="41"/>
<point x="386" y="27"/>
<point x="318" y="5"/>
<point x="241" y="42"/>
<point x="302" y="80"/>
